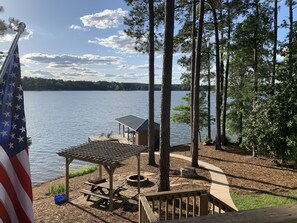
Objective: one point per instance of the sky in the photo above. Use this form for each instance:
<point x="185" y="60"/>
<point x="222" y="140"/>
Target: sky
<point x="80" y="40"/>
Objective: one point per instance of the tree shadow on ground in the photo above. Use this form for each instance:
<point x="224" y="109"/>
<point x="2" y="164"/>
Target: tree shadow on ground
<point x="253" y="180"/>
<point x="234" y="149"/>
<point x="254" y="164"/>
<point x="88" y="212"/>
<point x="98" y="205"/>
<point x="127" y="219"/>
<point x="180" y="148"/>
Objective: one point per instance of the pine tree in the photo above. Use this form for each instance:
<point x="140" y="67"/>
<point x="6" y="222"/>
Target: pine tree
<point x="141" y="20"/>
<point x="166" y="97"/>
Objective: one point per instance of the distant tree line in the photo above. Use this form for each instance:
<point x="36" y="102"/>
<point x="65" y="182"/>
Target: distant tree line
<point x="42" y="84"/>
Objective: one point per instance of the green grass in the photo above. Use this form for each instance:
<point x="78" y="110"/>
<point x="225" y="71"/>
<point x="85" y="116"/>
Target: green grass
<point x="82" y="171"/>
<point x="247" y="202"/>
<point x="56" y="189"/>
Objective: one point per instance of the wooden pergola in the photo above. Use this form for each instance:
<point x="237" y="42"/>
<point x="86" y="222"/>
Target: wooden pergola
<point x="104" y="153"/>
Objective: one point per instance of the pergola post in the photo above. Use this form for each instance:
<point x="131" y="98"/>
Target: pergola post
<point x="138" y="173"/>
<point x="111" y="188"/>
<point x="100" y="171"/>
<point x="133" y="135"/>
<point x="128" y="134"/>
<point x="68" y="161"/>
<point x="124" y="131"/>
<point x="119" y="128"/>
<point x="110" y="170"/>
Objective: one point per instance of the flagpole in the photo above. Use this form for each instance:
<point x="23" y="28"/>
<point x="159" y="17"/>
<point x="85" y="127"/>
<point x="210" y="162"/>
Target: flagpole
<point x="21" y="29"/>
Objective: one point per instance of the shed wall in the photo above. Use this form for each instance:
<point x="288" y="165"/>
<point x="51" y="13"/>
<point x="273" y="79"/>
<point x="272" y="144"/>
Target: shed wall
<point x="141" y="138"/>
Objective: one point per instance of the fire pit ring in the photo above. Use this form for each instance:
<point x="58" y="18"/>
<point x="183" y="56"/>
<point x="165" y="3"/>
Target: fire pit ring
<point x="132" y="180"/>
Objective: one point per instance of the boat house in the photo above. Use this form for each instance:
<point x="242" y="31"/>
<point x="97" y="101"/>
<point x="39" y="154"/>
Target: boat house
<point x="135" y="129"/>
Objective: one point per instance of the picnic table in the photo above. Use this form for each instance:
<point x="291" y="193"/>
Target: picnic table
<point x="101" y="189"/>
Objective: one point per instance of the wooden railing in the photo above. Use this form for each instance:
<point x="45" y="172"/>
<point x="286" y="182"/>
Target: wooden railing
<point x="171" y="205"/>
<point x="180" y="206"/>
<point x="146" y="214"/>
<point x="218" y="206"/>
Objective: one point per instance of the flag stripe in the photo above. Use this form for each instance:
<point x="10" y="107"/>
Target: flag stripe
<point x="7" y="213"/>
<point x="12" y="193"/>
<point x="12" y="180"/>
<point x="23" y="158"/>
<point x="22" y="175"/>
<point x="4" y="217"/>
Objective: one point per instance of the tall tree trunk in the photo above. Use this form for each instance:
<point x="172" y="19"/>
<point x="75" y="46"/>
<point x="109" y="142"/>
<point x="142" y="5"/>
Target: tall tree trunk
<point x="224" y="139"/>
<point x="222" y="55"/>
<point x="241" y="84"/>
<point x="255" y="49"/>
<point x="291" y="38"/>
<point x="208" y="99"/>
<point x="240" y="127"/>
<point x="218" y="81"/>
<point x="151" y="130"/>
<point x="166" y="97"/>
<point x="197" y="86"/>
<point x="193" y="64"/>
<point x="274" y="46"/>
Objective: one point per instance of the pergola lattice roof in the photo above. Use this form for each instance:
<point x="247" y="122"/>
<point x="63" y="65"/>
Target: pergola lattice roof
<point x="103" y="152"/>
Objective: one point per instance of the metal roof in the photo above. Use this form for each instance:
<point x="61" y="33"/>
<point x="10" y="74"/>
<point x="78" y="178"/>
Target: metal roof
<point x="135" y="123"/>
<point x="103" y="152"/>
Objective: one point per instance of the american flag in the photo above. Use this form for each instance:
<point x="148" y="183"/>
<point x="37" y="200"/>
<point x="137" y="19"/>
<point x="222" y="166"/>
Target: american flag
<point x="15" y="179"/>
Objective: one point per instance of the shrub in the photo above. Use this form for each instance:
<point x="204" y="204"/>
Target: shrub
<point x="82" y="171"/>
<point x="56" y="189"/>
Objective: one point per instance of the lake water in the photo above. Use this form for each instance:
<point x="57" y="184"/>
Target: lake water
<point x="59" y="119"/>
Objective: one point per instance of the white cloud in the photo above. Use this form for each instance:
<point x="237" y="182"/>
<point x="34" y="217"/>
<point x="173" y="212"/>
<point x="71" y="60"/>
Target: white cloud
<point x="63" y="61"/>
<point x="66" y="74"/>
<point x="80" y="75"/>
<point x="138" y="67"/>
<point x="109" y="75"/>
<point x="121" y="42"/>
<point x="105" y="19"/>
<point x="8" y="35"/>
<point x="80" y="69"/>
<point x="37" y="73"/>
<point x="75" y="27"/>
<point x="142" y="67"/>
<point x="126" y="77"/>
<point x="132" y="77"/>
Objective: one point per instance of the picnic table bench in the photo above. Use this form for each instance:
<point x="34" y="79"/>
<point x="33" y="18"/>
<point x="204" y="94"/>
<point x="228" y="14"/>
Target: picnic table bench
<point x="100" y="188"/>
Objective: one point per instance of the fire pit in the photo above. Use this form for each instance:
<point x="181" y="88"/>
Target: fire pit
<point x="132" y="180"/>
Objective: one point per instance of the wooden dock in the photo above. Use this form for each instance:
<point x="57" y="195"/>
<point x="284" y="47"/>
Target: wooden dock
<point x="117" y="138"/>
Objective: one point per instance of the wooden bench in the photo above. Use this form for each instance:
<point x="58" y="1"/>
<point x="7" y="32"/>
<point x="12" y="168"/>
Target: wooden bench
<point x="88" y="192"/>
<point x="100" y="188"/>
<point x="103" y="184"/>
<point x="95" y="182"/>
